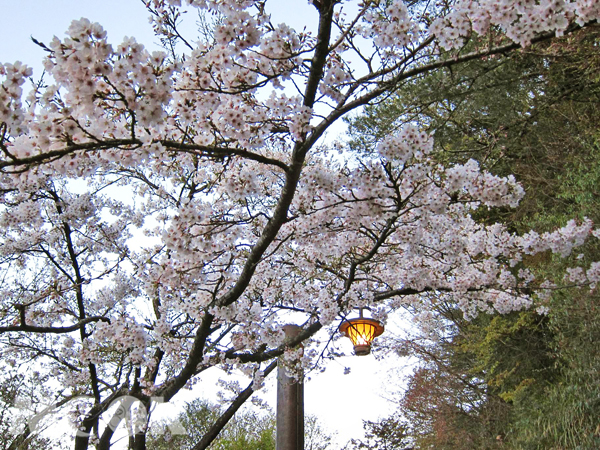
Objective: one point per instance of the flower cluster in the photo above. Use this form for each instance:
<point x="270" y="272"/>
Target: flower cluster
<point x="121" y="335"/>
<point x="389" y="24"/>
<point x="520" y="21"/>
<point x="11" y="110"/>
<point x="487" y="188"/>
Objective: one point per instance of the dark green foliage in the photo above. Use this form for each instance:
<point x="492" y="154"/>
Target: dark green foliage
<point x="18" y="403"/>
<point x="566" y="413"/>
<point x="520" y="381"/>
<point x="249" y="429"/>
<point x="388" y="434"/>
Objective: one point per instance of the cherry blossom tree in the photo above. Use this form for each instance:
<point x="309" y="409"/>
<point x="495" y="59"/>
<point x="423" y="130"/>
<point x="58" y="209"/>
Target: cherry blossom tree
<point x="165" y="213"/>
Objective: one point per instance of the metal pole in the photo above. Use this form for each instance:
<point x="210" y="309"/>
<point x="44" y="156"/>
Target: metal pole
<point x="290" y="404"/>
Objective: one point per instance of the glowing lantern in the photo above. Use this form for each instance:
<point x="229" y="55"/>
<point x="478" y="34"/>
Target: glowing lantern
<point x="361" y="332"/>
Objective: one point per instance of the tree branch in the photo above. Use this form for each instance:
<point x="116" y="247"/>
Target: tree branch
<point x="220" y="423"/>
<point x="54" y="330"/>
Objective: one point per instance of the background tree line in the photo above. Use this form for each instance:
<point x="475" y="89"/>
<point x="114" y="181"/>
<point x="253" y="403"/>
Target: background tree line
<point x="524" y="380"/>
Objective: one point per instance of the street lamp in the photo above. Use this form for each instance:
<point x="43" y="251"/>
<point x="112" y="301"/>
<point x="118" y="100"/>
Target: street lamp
<point x="290" y="391"/>
<point x="361" y="332"/>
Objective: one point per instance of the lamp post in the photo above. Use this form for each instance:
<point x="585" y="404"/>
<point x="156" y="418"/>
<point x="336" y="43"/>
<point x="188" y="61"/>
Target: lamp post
<point x="290" y="404"/>
<point x="361" y="332"/>
<point x="290" y="391"/>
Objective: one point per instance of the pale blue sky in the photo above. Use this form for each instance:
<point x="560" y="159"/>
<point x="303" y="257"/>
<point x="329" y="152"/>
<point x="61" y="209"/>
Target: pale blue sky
<point x="43" y="19"/>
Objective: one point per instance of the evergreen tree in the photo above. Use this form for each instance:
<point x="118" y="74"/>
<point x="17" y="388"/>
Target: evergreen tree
<point x="522" y="380"/>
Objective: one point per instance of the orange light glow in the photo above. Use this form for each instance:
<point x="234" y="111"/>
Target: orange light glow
<point x="361" y="332"/>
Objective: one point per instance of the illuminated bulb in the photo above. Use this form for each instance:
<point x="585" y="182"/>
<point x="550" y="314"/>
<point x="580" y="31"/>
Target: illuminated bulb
<point x="361" y="332"/>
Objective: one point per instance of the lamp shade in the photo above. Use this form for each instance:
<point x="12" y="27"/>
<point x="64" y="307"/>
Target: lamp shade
<point x="361" y="332"/>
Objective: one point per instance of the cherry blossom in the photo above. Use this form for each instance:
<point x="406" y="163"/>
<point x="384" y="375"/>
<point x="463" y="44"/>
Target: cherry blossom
<point x="166" y="214"/>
